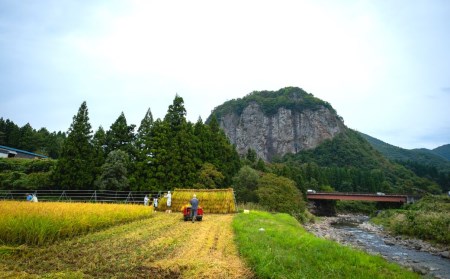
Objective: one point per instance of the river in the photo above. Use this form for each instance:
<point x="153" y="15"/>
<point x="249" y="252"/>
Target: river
<point x="355" y="231"/>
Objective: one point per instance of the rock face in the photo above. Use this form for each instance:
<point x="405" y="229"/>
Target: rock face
<point x="286" y="131"/>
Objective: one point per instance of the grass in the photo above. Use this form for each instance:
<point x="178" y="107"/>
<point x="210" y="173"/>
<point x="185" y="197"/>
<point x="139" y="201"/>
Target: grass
<point x="283" y="249"/>
<point x="42" y="223"/>
<point x="428" y="219"/>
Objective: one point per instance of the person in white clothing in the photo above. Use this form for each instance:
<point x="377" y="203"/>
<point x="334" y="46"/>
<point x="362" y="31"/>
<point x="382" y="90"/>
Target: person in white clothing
<point x="169" y="202"/>
<point x="155" y="202"/>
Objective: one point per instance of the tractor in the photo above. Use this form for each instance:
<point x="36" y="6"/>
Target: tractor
<point x="187" y="213"/>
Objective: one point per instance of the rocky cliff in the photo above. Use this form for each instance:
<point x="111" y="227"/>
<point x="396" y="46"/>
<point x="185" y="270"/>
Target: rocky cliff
<point x="284" y="130"/>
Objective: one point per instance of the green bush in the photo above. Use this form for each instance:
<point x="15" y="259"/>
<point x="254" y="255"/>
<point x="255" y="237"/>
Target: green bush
<point x="280" y="194"/>
<point x="25" y="174"/>
<point x="428" y="219"/>
<point x="356" y="207"/>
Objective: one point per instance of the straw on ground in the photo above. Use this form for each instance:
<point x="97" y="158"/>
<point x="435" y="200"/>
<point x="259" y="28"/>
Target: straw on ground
<point x="160" y="247"/>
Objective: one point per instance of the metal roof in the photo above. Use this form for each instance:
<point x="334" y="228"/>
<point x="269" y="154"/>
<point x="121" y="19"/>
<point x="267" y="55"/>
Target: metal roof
<point x="22" y="151"/>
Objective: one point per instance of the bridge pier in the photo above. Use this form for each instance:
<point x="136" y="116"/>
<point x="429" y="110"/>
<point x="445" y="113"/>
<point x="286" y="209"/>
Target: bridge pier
<point x="322" y="207"/>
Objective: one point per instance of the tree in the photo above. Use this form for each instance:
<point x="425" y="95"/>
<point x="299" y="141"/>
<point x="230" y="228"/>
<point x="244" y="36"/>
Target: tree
<point x="260" y="165"/>
<point x="176" y="114"/>
<point x="121" y="136"/>
<point x="12" y="132"/>
<point x="158" y="158"/>
<point x="141" y="175"/>
<point x="251" y="155"/>
<point x="182" y="167"/>
<point x="27" y="139"/>
<point x="114" y="172"/>
<point x="99" y="145"/>
<point x="245" y="183"/>
<point x="280" y="194"/>
<point x="209" y="177"/>
<point x="221" y="153"/>
<point x="180" y="149"/>
<point x="146" y="125"/>
<point x="76" y="166"/>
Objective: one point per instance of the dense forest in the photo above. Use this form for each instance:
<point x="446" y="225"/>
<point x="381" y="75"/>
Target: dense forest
<point x="425" y="163"/>
<point x="162" y="154"/>
<point x="432" y="158"/>
<point x="348" y="163"/>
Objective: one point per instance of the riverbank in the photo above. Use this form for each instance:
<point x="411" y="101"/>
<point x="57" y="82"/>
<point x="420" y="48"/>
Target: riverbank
<point x="326" y="228"/>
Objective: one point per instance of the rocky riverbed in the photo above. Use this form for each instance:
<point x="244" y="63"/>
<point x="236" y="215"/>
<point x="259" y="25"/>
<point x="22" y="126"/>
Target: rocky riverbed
<point x="356" y="231"/>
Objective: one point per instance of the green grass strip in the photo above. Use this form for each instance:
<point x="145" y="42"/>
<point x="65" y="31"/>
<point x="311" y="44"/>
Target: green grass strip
<point x="285" y="250"/>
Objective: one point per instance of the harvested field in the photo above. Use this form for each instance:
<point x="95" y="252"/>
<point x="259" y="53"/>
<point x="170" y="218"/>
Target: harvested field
<point x="163" y="246"/>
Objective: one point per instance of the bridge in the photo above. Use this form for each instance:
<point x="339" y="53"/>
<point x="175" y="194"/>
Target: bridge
<point x="358" y="197"/>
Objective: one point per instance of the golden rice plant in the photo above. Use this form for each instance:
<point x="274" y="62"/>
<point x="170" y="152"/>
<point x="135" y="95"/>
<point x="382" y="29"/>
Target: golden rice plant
<point x="40" y="223"/>
<point x="211" y="200"/>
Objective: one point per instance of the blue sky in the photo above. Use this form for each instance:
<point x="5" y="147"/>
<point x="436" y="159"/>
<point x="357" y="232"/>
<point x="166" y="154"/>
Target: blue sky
<point x="383" y="65"/>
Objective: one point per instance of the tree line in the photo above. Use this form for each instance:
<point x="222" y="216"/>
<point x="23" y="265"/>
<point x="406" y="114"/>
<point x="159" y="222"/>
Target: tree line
<point x="162" y="154"/>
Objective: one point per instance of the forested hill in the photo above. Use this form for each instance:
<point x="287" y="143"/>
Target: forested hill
<point x="349" y="163"/>
<point x="433" y="158"/>
<point x="443" y="151"/>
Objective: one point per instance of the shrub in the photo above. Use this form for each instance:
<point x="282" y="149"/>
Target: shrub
<point x="355" y="207"/>
<point x="428" y="219"/>
<point x="280" y="194"/>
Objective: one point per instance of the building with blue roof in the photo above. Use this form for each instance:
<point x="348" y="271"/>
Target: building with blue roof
<point x="9" y="152"/>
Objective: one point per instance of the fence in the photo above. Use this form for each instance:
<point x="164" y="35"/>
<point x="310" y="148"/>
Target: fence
<point x="135" y="197"/>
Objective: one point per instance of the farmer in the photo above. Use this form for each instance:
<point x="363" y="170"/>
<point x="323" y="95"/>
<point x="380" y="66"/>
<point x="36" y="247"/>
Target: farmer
<point x="194" y="207"/>
<point x="169" y="202"/>
<point x="155" y="202"/>
<point x="34" y="198"/>
<point x="29" y="197"/>
<point x="146" y="199"/>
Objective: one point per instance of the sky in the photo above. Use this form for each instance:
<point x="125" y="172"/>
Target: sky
<point x="384" y="65"/>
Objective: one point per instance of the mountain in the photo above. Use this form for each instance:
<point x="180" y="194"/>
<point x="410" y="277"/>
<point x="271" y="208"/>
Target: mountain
<point x="421" y="156"/>
<point x="314" y="147"/>
<point x="277" y="123"/>
<point x="443" y="151"/>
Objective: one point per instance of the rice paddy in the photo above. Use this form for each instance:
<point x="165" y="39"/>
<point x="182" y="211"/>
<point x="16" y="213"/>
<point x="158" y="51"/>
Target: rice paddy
<point x="71" y="240"/>
<point x="163" y="246"/>
<point x="41" y="223"/>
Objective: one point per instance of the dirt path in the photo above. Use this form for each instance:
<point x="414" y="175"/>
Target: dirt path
<point x="160" y="247"/>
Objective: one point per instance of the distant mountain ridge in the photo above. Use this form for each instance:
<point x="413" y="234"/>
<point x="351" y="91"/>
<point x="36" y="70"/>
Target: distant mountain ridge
<point x="443" y="150"/>
<point x="438" y="157"/>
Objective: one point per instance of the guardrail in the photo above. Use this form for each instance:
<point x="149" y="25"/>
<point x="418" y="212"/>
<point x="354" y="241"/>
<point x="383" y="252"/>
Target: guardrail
<point x="105" y="196"/>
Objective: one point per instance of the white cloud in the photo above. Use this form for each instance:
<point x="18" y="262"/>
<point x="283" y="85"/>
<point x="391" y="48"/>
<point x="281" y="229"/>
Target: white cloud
<point x="360" y="56"/>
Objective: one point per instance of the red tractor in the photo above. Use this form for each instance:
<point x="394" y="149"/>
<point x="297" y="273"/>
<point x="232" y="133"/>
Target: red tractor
<point x="187" y="213"/>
